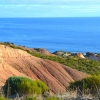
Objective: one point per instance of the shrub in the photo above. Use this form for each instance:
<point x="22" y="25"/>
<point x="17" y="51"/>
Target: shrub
<point x="91" y="83"/>
<point x="23" y="85"/>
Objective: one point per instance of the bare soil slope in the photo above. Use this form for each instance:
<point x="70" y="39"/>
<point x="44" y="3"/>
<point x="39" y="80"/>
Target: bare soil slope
<point x="15" y="62"/>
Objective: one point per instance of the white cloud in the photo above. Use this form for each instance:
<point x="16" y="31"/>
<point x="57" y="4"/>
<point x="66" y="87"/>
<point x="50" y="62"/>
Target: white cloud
<point x="80" y="8"/>
<point x="90" y="9"/>
<point x="51" y="2"/>
<point x="50" y="8"/>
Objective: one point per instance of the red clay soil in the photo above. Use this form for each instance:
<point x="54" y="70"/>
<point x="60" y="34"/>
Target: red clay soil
<point x="15" y="62"/>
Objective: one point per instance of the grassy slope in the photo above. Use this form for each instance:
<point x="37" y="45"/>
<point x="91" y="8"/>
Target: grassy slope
<point x="84" y="65"/>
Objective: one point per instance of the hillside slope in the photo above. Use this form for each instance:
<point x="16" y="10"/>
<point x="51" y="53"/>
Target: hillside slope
<point x="15" y="62"/>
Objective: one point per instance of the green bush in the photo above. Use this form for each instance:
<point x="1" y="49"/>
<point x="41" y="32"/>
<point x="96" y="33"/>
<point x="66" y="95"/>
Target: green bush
<point x="23" y="85"/>
<point x="91" y="83"/>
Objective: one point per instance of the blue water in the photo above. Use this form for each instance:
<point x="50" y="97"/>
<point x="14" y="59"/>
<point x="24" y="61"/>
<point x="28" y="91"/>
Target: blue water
<point x="67" y="34"/>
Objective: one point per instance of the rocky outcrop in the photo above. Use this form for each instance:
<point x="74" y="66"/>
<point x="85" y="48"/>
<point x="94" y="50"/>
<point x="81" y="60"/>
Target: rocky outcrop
<point x="80" y="55"/>
<point x="92" y="56"/>
<point x="66" y="54"/>
<point x="15" y="62"/>
<point x="62" y="53"/>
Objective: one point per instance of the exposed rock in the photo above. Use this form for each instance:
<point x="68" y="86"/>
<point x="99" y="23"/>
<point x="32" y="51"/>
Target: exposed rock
<point x="62" y="53"/>
<point x="15" y="62"/>
<point x="92" y="56"/>
<point x="80" y="55"/>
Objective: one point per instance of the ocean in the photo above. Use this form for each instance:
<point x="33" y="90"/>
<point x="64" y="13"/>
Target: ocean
<point x="54" y="34"/>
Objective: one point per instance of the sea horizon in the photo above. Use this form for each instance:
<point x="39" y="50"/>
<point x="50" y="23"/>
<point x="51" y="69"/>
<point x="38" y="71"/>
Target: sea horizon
<point x="70" y="34"/>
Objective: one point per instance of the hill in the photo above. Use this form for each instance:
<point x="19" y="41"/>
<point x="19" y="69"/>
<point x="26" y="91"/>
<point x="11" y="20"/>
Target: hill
<point x="15" y="62"/>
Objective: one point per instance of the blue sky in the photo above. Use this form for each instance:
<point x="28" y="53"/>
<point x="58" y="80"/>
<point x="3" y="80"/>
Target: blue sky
<point x="49" y="8"/>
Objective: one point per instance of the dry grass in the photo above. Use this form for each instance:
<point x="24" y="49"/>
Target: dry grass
<point x="76" y="95"/>
<point x="68" y="95"/>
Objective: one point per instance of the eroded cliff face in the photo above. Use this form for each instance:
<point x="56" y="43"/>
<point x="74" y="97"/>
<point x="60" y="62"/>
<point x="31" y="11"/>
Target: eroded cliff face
<point x="15" y="62"/>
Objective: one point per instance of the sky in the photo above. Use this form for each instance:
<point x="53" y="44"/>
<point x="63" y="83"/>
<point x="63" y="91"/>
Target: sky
<point x="49" y="8"/>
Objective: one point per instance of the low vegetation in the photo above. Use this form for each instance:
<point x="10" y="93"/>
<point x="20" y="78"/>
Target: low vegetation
<point x="90" y="85"/>
<point x="23" y="85"/>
